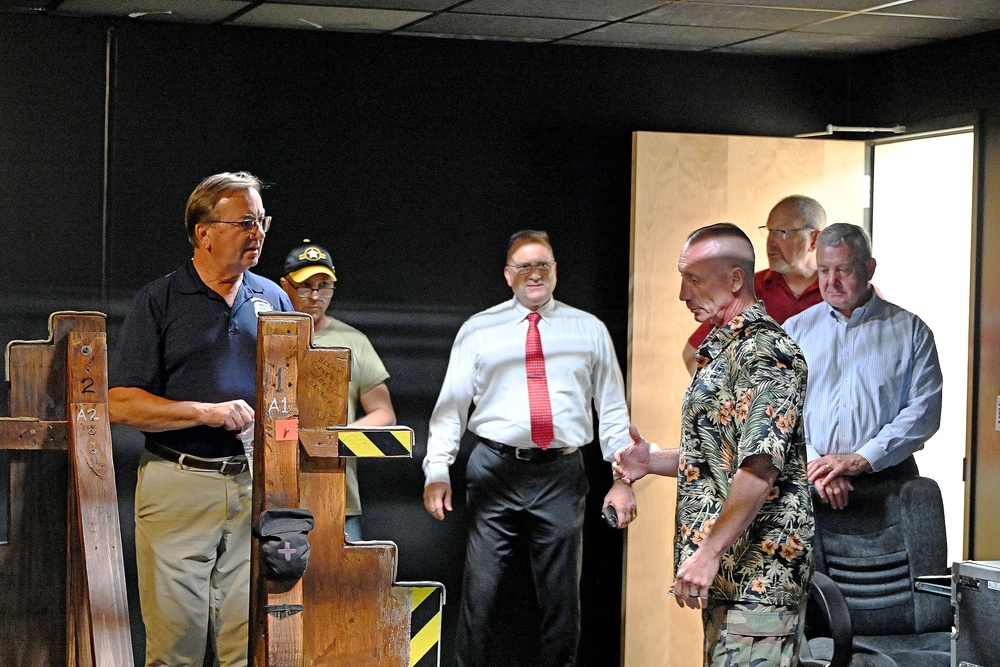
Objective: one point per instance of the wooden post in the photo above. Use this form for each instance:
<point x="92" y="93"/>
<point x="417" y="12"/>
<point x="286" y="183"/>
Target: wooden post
<point x="69" y="605"/>
<point x="353" y="613"/>
<point x="276" y="484"/>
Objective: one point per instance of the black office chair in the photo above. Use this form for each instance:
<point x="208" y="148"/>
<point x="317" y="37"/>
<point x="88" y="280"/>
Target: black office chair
<point x="863" y="608"/>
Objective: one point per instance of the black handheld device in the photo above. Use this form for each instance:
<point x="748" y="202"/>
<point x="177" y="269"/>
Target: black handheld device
<point x="610" y="515"/>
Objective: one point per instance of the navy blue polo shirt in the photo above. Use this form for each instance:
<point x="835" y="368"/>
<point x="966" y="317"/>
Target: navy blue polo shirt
<point x="183" y="342"/>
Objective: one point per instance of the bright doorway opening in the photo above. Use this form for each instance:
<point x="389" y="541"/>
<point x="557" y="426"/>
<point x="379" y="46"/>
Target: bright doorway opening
<point x="922" y="239"/>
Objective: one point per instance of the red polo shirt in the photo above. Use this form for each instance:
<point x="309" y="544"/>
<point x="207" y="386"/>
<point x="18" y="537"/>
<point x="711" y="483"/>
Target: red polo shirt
<point x="771" y="288"/>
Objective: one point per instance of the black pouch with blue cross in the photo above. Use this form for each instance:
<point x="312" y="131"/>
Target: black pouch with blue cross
<point x="284" y="543"/>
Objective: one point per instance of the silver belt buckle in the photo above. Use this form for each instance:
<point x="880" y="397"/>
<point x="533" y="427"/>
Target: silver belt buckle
<point x="521" y="453"/>
<point x="241" y="466"/>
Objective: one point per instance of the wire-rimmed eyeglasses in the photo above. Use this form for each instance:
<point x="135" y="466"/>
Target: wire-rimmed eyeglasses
<point x="782" y="234"/>
<point x="305" y="292"/>
<point x="247" y="224"/>
<point x="525" y="268"/>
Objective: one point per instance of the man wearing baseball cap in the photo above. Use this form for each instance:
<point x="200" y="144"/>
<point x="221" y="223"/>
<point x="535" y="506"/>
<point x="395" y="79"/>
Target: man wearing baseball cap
<point x="309" y="281"/>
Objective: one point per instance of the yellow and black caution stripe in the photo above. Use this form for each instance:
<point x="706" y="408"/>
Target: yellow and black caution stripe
<point x="374" y="442"/>
<point x="426" y="602"/>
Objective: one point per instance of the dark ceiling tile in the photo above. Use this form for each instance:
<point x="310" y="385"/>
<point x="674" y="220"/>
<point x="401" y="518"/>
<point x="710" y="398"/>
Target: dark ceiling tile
<point x="27" y="6"/>
<point x="182" y="11"/>
<point x="666" y="36"/>
<point x="349" y="19"/>
<point x="404" y="5"/>
<point x="960" y="9"/>
<point x="729" y="16"/>
<point x="592" y="10"/>
<point x="812" y="44"/>
<point x="895" y="25"/>
<point x="832" y="5"/>
<point x="515" y="28"/>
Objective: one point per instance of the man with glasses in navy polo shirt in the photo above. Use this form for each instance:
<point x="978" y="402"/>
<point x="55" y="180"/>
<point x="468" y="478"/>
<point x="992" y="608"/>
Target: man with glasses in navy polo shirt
<point x="184" y="374"/>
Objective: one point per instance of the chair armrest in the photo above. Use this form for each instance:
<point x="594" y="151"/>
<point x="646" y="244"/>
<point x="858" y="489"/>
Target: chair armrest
<point x="935" y="584"/>
<point x="828" y="598"/>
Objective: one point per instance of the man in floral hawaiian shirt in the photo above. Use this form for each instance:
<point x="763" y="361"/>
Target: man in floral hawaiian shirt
<point x="743" y="551"/>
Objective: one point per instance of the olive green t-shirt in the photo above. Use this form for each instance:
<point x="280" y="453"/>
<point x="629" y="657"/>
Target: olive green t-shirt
<point x="367" y="372"/>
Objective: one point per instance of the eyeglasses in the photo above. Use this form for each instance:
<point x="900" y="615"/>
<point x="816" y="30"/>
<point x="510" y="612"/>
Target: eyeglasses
<point x="247" y="224"/>
<point x="524" y="269"/>
<point x="305" y="292"/>
<point x="766" y="231"/>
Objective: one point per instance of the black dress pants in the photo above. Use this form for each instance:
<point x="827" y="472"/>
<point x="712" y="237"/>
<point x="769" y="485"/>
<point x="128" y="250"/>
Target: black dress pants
<point x="545" y="502"/>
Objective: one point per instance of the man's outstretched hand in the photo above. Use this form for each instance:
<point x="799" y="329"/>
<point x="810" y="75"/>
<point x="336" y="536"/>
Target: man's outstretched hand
<point x="632" y="461"/>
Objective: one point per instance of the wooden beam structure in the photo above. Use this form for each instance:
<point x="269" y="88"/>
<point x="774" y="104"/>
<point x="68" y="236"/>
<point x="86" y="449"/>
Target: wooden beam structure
<point x="62" y="565"/>
<point x="347" y="609"/>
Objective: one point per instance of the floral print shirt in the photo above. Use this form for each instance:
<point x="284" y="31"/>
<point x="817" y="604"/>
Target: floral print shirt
<point x="746" y="399"/>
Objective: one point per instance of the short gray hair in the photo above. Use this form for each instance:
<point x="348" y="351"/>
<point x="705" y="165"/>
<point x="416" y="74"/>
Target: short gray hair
<point x="728" y="230"/>
<point x="811" y="212"/>
<point x="201" y="203"/>
<point x="853" y="236"/>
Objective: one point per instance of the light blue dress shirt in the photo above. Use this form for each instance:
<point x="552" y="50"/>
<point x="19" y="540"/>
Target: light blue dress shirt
<point x="874" y="381"/>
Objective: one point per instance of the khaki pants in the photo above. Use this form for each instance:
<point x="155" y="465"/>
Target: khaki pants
<point x="192" y="542"/>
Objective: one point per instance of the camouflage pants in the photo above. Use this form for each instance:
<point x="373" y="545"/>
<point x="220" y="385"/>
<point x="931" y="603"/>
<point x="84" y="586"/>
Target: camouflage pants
<point x="752" y="635"/>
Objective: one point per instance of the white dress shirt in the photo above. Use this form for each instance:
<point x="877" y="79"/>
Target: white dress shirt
<point x="487" y="369"/>
<point x="874" y="381"/>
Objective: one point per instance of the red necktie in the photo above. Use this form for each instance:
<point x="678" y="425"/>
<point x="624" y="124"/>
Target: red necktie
<point x="542" y="433"/>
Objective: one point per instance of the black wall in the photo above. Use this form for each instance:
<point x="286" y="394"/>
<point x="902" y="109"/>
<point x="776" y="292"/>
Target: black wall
<point x="411" y="159"/>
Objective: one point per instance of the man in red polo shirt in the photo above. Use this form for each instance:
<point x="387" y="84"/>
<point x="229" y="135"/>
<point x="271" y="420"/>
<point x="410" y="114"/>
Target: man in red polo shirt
<point x="790" y="285"/>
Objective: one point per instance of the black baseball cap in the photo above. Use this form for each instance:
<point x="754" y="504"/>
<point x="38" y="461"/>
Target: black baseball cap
<point x="306" y="260"/>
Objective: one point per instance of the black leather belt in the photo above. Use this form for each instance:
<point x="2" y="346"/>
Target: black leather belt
<point x="528" y="454"/>
<point x="232" y="465"/>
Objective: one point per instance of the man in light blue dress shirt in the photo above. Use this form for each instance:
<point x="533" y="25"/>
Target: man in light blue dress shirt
<point x="874" y="391"/>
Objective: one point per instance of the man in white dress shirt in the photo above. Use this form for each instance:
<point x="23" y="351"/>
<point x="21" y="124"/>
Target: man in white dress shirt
<point x="521" y="482"/>
<point x="874" y="391"/>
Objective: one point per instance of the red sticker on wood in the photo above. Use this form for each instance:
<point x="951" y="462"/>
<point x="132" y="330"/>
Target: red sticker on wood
<point x="286" y="429"/>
